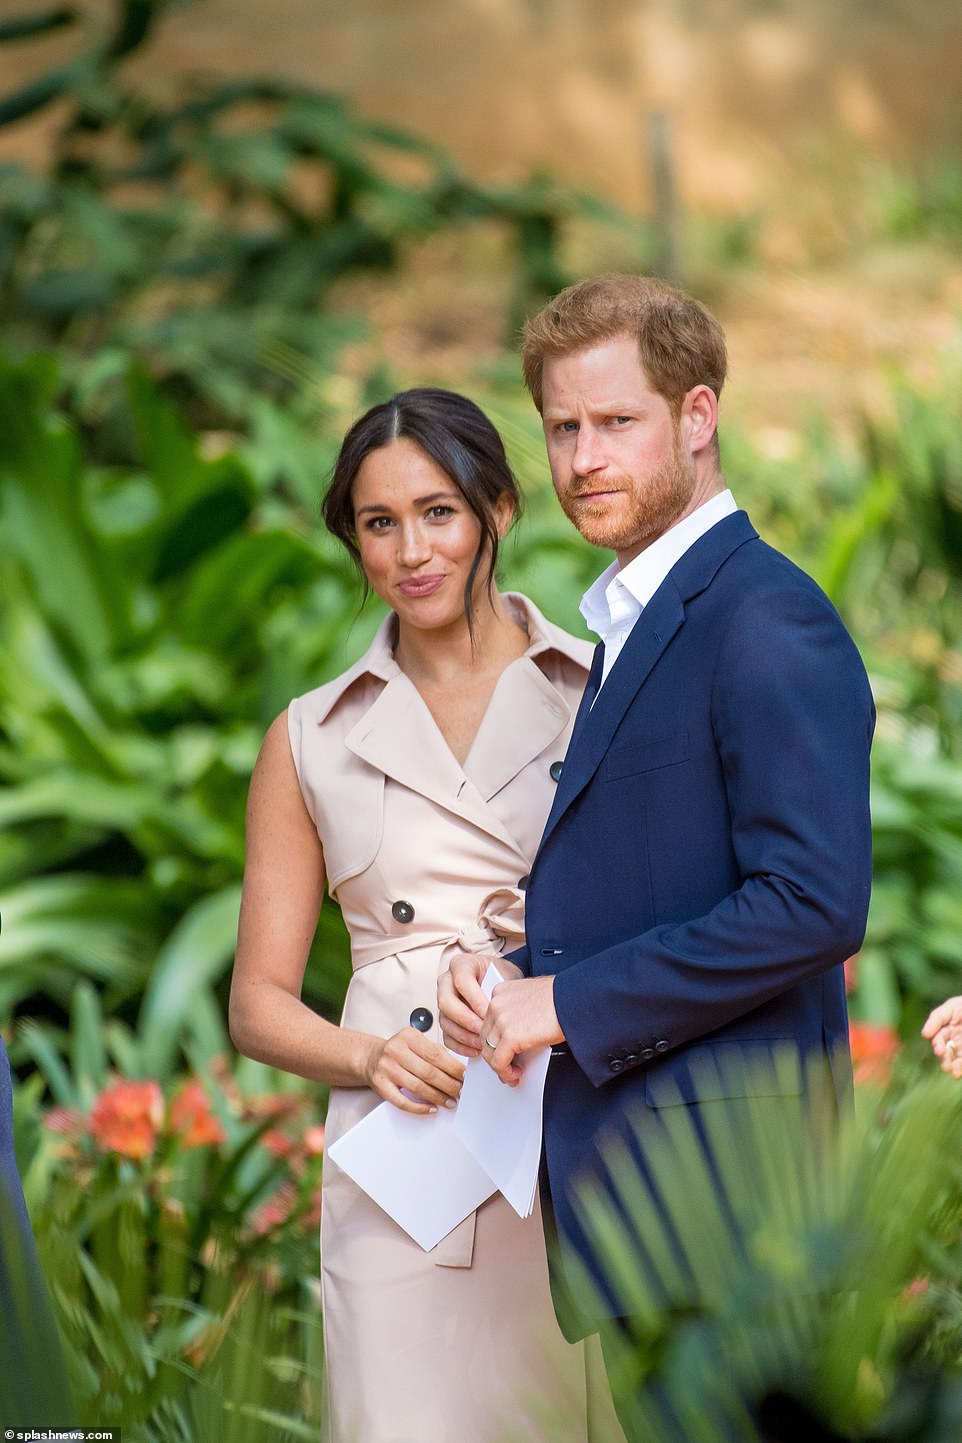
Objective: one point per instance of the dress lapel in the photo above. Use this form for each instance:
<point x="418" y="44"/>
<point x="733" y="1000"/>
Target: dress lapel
<point x="524" y="716"/>
<point x="398" y="735"/>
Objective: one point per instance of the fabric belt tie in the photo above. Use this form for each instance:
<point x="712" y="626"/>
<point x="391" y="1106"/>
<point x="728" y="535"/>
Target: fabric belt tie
<point x="498" y="926"/>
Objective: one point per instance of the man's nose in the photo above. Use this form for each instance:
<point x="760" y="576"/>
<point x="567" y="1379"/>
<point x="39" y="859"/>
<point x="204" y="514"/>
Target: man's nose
<point x="589" y="452"/>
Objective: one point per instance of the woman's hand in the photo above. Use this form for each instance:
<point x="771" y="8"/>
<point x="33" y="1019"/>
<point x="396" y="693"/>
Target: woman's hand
<point x="410" y="1061"/>
<point x="943" y="1028"/>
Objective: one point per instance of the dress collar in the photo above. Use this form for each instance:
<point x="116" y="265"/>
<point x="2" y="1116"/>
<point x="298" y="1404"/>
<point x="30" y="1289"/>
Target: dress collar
<point x="543" y="637"/>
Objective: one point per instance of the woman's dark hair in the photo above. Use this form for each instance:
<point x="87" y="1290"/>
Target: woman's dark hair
<point x="458" y="436"/>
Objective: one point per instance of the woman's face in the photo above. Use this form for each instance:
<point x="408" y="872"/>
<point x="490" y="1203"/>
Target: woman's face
<point x="416" y="534"/>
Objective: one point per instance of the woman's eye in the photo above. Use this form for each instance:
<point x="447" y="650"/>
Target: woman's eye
<point x="439" y="512"/>
<point x="378" y="523"/>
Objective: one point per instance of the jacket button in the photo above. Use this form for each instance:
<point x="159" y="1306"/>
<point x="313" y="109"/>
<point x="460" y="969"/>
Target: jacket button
<point x="402" y="912"/>
<point x="646" y="1054"/>
<point x="630" y="1059"/>
<point x="662" y="1046"/>
<point x="523" y="881"/>
<point x="555" y="770"/>
<point x="615" y="1064"/>
<point x="421" y="1019"/>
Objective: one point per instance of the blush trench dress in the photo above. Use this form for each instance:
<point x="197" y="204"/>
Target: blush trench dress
<point x="426" y="858"/>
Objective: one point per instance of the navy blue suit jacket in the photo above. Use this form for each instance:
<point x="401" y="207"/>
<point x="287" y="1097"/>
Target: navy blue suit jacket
<point x="705" y="869"/>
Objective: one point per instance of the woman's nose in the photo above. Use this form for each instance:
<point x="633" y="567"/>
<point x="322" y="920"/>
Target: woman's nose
<point x="413" y="545"/>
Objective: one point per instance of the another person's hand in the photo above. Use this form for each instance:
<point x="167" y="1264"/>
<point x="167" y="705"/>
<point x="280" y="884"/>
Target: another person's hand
<point x="423" y="1069"/>
<point x="520" y="1015"/>
<point x="462" y="1005"/>
<point x="943" y="1028"/>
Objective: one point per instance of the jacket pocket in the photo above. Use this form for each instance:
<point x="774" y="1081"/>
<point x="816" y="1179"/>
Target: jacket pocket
<point x="711" y="1071"/>
<point x="632" y="757"/>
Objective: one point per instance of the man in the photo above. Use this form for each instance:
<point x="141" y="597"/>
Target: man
<point x="705" y="868"/>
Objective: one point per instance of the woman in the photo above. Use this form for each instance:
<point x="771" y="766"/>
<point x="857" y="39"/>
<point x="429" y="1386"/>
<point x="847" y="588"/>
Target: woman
<point x="415" y="786"/>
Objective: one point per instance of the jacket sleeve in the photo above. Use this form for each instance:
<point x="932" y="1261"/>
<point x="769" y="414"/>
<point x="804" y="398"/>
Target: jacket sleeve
<point x="521" y="958"/>
<point x="792" y="718"/>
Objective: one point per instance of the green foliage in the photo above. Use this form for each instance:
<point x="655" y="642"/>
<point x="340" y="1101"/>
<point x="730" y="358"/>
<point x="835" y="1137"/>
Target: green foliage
<point x="203" y="234"/>
<point x="157" y="615"/>
<point x="162" y="1216"/>
<point x="792" y="1281"/>
<point x="924" y="205"/>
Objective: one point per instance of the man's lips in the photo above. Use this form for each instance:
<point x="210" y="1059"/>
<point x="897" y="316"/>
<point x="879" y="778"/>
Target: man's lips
<point x="420" y="585"/>
<point x="599" y="495"/>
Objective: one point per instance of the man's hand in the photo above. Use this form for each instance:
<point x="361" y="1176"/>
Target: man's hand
<point x="519" y="1016"/>
<point x="943" y="1028"/>
<point x="462" y="1006"/>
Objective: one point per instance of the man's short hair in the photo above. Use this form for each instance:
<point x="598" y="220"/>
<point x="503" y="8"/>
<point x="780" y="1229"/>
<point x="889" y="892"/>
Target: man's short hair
<point x="680" y="343"/>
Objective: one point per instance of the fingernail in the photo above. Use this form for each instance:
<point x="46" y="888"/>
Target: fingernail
<point x="432" y="1109"/>
<point x="450" y="1103"/>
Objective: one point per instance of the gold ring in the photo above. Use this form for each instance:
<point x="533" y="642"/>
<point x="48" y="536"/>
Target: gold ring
<point x="488" y="1043"/>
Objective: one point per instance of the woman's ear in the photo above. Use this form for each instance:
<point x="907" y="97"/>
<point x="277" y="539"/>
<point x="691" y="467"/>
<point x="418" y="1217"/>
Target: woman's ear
<point x="504" y="509"/>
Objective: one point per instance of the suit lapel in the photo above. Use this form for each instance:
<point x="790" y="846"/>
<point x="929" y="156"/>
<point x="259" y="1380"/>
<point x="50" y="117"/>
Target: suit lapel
<point x="649" y="637"/>
<point x="661" y="619"/>
<point x="589" y="693"/>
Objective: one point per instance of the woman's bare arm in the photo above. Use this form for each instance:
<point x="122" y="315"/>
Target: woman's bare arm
<point x="284" y="880"/>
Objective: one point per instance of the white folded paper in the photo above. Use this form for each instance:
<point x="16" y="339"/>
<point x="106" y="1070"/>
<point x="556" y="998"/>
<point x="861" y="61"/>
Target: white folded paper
<point x="429" y="1172"/>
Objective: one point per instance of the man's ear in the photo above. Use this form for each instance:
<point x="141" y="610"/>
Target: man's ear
<point x="699" y="417"/>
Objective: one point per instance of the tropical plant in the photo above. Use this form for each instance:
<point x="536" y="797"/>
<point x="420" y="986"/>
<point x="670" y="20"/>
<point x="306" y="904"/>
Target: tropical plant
<point x="158" y="1209"/>
<point x="798" y="1278"/>
<point x="156" y="617"/>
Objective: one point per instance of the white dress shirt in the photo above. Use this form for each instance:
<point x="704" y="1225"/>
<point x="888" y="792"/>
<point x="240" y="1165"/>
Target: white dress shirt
<point x="614" y="602"/>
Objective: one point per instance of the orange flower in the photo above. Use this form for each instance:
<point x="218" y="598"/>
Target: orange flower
<point x="277" y="1143"/>
<point x="126" y="1116"/>
<point x="275" y="1212"/>
<point x="66" y="1121"/>
<point x="191" y="1117"/>
<point x="874" y="1047"/>
<point x="277" y="1105"/>
<point x="313" y="1140"/>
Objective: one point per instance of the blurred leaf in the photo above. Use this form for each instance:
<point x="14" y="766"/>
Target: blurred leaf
<point x="194" y="956"/>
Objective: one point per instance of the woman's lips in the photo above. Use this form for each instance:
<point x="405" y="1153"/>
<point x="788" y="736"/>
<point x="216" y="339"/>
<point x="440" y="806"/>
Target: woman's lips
<point x="420" y="585"/>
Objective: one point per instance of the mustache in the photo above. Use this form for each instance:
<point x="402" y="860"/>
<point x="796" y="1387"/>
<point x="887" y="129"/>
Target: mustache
<point x="576" y="488"/>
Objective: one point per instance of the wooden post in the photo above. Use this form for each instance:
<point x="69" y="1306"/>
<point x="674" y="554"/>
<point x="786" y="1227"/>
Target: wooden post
<point x="664" y="195"/>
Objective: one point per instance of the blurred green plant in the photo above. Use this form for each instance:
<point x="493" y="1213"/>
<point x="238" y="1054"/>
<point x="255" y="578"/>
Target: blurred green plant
<point x="156" y="616"/>
<point x="798" y="1277"/>
<point x="158" y="1209"/>
<point x="203" y="234"/>
<point x="922" y="204"/>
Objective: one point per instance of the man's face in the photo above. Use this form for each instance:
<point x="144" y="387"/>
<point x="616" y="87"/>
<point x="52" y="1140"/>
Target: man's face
<point x="617" y="458"/>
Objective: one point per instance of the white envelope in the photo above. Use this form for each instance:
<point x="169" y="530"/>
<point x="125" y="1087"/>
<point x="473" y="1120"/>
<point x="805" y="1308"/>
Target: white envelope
<point x="416" y="1168"/>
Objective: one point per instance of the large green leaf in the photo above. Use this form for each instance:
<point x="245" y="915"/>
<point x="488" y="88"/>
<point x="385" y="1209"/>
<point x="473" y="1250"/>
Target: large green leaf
<point x="194" y="956"/>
